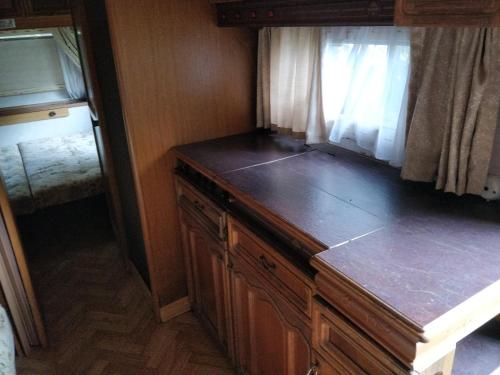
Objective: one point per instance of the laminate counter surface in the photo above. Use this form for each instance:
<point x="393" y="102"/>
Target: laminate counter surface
<point x="236" y="152"/>
<point x="417" y="251"/>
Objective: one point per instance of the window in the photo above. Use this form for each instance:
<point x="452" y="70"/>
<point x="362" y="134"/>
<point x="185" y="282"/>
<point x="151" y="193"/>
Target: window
<point x="364" y="81"/>
<point x="345" y="85"/>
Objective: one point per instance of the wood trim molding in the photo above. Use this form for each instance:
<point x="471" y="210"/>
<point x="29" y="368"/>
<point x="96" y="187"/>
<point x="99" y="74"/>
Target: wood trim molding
<point x="384" y="326"/>
<point x="9" y="111"/>
<point x="174" y="309"/>
<point x="34" y="116"/>
<point x="478" y="13"/>
<point x="22" y="265"/>
<point x="40" y="22"/>
<point x="256" y="13"/>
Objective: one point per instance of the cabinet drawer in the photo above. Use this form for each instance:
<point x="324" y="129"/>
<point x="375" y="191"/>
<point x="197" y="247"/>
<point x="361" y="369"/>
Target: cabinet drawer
<point x="194" y="201"/>
<point x="345" y="346"/>
<point x="280" y="273"/>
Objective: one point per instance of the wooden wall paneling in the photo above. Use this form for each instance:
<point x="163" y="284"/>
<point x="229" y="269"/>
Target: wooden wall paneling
<point x="181" y="80"/>
<point x="112" y="143"/>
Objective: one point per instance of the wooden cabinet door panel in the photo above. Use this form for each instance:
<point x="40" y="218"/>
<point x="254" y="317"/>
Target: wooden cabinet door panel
<point x="48" y="7"/>
<point x="447" y="13"/>
<point x="269" y="337"/>
<point x="207" y="274"/>
<point x="285" y="278"/>
<point x="10" y="8"/>
<point x="443" y="7"/>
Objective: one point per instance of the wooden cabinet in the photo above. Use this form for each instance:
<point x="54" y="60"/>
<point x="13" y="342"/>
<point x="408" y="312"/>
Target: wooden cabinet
<point x="281" y="276"/>
<point x="48" y="7"/>
<point x="447" y="13"/>
<point x="205" y="258"/>
<point x="322" y="367"/>
<point x="269" y="337"/>
<point x="33" y="8"/>
<point x="346" y="348"/>
<point x="10" y="8"/>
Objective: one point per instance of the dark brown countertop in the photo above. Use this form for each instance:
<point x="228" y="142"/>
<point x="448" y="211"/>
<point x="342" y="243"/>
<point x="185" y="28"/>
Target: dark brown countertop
<point x="418" y="251"/>
<point x="241" y="151"/>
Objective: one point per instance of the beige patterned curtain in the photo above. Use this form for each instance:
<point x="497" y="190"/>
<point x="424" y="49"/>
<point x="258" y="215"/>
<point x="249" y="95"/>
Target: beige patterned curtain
<point x="453" y="107"/>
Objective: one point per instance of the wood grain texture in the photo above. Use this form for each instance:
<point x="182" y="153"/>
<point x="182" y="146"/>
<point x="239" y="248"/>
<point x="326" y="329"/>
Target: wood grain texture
<point x="181" y="80"/>
<point x="478" y="13"/>
<point x="99" y="316"/>
<point x="405" y="285"/>
<point x="274" y="13"/>
<point x="9" y="224"/>
<point x="69" y="103"/>
<point x="41" y="22"/>
<point x="34" y="116"/>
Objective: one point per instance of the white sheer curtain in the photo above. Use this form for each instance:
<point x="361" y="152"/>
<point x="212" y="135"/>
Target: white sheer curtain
<point x="345" y="85"/>
<point x="69" y="58"/>
<point x="365" y="75"/>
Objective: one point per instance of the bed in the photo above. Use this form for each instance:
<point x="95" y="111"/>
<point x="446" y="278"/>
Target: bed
<point x="50" y="171"/>
<point x="7" y="352"/>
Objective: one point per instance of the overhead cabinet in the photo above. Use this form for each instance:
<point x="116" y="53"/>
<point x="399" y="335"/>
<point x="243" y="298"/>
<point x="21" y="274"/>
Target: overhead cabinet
<point x="30" y="8"/>
<point x="11" y="8"/>
<point x="447" y="12"/>
<point x="255" y="13"/>
<point x="48" y="7"/>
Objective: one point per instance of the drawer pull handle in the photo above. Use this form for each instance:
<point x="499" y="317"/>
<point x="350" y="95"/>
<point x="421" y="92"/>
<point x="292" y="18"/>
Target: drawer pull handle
<point x="199" y="206"/>
<point x="269" y="266"/>
<point x="220" y="257"/>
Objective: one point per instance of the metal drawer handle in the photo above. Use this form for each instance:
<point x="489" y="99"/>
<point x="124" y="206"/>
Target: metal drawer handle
<point x="269" y="266"/>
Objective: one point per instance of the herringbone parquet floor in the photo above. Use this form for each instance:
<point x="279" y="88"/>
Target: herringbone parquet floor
<point x="97" y="315"/>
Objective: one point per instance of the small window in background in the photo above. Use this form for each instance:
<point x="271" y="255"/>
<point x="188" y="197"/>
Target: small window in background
<point x="39" y="66"/>
<point x="31" y="71"/>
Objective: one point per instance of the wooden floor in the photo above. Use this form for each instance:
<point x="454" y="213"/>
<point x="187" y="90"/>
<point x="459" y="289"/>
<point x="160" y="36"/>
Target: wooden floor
<point x="98" y="317"/>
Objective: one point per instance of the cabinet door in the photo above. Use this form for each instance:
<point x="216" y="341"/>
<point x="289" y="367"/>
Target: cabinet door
<point x="206" y="266"/>
<point x="10" y="8"/>
<point x="48" y="7"/>
<point x="269" y="338"/>
<point x="447" y="13"/>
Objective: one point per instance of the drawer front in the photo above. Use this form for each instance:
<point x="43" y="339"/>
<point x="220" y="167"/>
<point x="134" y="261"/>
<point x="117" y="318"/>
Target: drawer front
<point x="194" y="201"/>
<point x="281" y="274"/>
<point x="345" y="346"/>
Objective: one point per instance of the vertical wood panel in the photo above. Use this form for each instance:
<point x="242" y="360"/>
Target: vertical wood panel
<point x="181" y="80"/>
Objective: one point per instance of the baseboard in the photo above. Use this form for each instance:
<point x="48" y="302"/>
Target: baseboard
<point x="174" y="309"/>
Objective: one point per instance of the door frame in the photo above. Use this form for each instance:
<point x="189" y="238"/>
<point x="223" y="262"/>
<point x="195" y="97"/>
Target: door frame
<point x="16" y="283"/>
